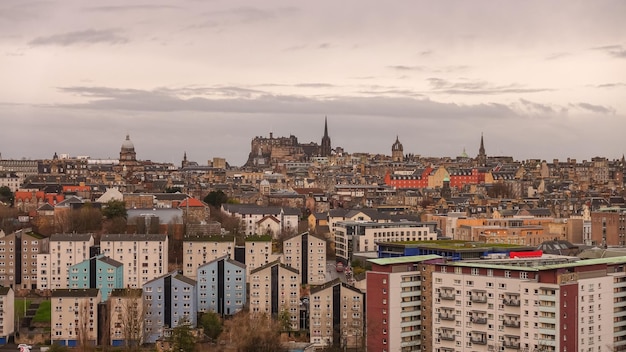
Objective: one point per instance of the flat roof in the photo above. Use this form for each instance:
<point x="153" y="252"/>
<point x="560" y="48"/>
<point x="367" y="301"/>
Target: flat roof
<point x="582" y="262"/>
<point x="404" y="260"/>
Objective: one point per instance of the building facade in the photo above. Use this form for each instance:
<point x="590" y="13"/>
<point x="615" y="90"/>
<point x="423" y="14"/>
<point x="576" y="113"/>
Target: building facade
<point x="201" y="250"/>
<point x="337" y="315"/>
<point x="64" y="250"/>
<point x="222" y="286"/>
<point x="18" y="259"/>
<point x="275" y="288"/>
<point x="144" y="256"/>
<point x="74" y="318"/>
<point x="7" y="314"/>
<point x="99" y="272"/>
<point x="307" y="254"/>
<point x="169" y="300"/>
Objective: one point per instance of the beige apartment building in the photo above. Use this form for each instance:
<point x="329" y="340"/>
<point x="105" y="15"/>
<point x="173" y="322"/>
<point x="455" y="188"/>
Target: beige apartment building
<point x="18" y="259"/>
<point x="337" y="315"/>
<point x="259" y="252"/>
<point x="201" y="250"/>
<point x="126" y="317"/>
<point x="307" y="254"/>
<point x="144" y="256"/>
<point x="275" y="288"/>
<point x="64" y="250"/>
<point x="74" y="313"/>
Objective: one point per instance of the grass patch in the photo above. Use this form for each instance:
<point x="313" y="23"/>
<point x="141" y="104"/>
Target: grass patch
<point x="20" y="307"/>
<point x="44" y="313"/>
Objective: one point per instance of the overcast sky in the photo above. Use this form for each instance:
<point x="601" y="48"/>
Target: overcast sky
<point x="540" y="79"/>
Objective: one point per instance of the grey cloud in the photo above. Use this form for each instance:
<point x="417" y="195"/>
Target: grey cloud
<point x="406" y="68"/>
<point x="595" y="108"/>
<point x="90" y="36"/>
<point x="477" y="87"/>
<point x="324" y="46"/>
<point x="123" y="8"/>
<point x="617" y="51"/>
<point x="611" y="85"/>
<point x="315" y="85"/>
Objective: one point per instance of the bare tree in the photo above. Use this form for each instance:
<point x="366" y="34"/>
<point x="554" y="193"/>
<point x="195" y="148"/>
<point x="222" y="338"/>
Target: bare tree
<point x="132" y="319"/>
<point x="82" y="323"/>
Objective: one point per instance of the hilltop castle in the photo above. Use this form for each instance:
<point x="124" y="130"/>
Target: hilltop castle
<point x="267" y="151"/>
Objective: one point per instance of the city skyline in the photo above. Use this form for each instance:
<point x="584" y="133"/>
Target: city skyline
<point x="538" y="80"/>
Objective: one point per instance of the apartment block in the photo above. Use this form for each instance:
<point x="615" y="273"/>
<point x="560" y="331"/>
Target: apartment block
<point x="18" y="259"/>
<point x="359" y="236"/>
<point x="7" y="314"/>
<point x="126" y="317"/>
<point x="495" y="306"/>
<point x="169" y="300"/>
<point x="99" y="272"/>
<point x="64" y="250"/>
<point x="307" y="254"/>
<point x="394" y="303"/>
<point x="144" y="256"/>
<point x="222" y="286"/>
<point x="201" y="250"/>
<point x="259" y="252"/>
<point x="275" y="288"/>
<point x="337" y="315"/>
<point x="74" y="314"/>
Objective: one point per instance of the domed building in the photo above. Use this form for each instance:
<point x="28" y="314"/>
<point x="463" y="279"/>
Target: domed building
<point x="397" y="151"/>
<point x="128" y="157"/>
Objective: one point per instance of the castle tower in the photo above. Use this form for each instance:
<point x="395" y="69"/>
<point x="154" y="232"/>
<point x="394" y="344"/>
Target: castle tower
<point x="397" y="151"/>
<point x="185" y="162"/>
<point x="325" y="148"/>
<point x="481" y="159"/>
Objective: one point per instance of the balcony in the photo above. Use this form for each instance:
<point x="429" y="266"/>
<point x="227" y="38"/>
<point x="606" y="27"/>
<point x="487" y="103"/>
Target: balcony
<point x="447" y="336"/>
<point x="446" y="316"/>
<point x="480" y="340"/>
<point x="514" y="345"/>
<point x="448" y="296"/>
<point x="511" y="323"/>
<point x="478" y="320"/>
<point x="511" y="302"/>
<point x="479" y="298"/>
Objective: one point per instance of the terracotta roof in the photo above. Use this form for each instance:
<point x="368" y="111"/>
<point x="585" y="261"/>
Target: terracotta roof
<point x="193" y="202"/>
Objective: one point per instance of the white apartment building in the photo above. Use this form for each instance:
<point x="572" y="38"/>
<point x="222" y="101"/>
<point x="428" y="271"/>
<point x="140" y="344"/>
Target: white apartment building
<point x="7" y="314"/>
<point x="126" y="314"/>
<point x="144" y="256"/>
<point x="64" y="250"/>
<point x="201" y="250"/>
<point x="560" y="307"/>
<point x="74" y="312"/>
<point x="358" y="236"/>
<point x="275" y="288"/>
<point x="307" y="254"/>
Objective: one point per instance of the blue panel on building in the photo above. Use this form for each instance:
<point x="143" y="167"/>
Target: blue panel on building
<point x="3" y="340"/>
<point x="72" y="343"/>
<point x="117" y="343"/>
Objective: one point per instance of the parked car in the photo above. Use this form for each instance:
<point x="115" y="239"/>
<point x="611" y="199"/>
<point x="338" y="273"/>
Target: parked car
<point x="22" y="347"/>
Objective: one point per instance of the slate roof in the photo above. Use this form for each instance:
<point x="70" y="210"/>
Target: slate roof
<point x="336" y="281"/>
<point x="4" y="290"/>
<point x="110" y="261"/>
<point x="70" y="237"/>
<point x="255" y="209"/>
<point x="133" y="237"/>
<point x="82" y="292"/>
<point x="275" y="262"/>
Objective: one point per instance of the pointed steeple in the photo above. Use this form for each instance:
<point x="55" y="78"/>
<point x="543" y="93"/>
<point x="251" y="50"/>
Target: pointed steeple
<point x="325" y="126"/>
<point x="481" y="150"/>
<point x="481" y="159"/>
<point x="325" y="148"/>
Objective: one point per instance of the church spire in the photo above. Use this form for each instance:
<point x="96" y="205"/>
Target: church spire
<point x="481" y="159"/>
<point x="325" y="149"/>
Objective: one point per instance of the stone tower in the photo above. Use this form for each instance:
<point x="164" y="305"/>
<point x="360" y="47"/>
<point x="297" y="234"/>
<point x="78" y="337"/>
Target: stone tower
<point x="397" y="151"/>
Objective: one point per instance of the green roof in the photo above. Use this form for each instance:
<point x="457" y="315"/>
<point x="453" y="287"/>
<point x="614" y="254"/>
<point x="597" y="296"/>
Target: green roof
<point x="456" y="245"/>
<point x="258" y="238"/>
<point x="402" y="260"/>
